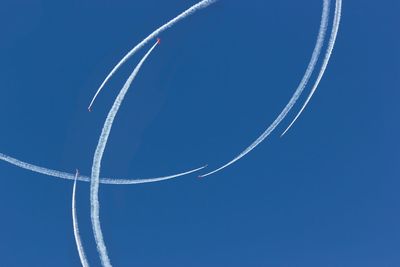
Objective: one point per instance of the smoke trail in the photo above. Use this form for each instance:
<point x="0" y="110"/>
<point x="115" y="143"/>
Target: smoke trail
<point x="188" y="12"/>
<point x="98" y="155"/>
<point x="79" y="246"/>
<point x="70" y="176"/>
<point x="332" y="40"/>
<point x="297" y="93"/>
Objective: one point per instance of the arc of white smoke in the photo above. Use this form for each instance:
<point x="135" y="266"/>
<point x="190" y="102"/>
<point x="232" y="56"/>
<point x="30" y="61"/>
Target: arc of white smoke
<point x="97" y="158"/>
<point x="186" y="13"/>
<point x="70" y="176"/>
<point x="78" y="241"/>
<point x="297" y="93"/>
<point x="332" y="40"/>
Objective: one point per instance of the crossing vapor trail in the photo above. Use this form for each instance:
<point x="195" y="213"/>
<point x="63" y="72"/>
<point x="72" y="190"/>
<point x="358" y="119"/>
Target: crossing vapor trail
<point x="97" y="158"/>
<point x="78" y="241"/>
<point x="310" y="68"/>
<point x="332" y="40"/>
<point x="169" y="24"/>
<point x="70" y="176"/>
<point x="95" y="179"/>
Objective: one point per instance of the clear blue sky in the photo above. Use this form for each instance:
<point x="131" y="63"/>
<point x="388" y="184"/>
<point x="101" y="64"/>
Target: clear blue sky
<point x="324" y="195"/>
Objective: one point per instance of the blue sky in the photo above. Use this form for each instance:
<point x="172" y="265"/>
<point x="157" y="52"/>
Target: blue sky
<point x="324" y="195"/>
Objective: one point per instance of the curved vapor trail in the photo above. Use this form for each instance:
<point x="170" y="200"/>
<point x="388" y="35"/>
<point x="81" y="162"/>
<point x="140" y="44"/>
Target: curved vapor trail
<point x="332" y="40"/>
<point x="97" y="158"/>
<point x="70" y="176"/>
<point x="78" y="241"/>
<point x="169" y="24"/>
<point x="310" y="68"/>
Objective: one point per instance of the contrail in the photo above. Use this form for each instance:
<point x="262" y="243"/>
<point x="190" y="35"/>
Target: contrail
<point x="188" y="12"/>
<point x="78" y="241"/>
<point x="70" y="176"/>
<point x="297" y="93"/>
<point x="97" y="158"/>
<point x="332" y="40"/>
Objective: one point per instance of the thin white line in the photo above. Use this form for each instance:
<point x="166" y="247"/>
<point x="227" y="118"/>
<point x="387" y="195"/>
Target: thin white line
<point x="169" y="24"/>
<point x="335" y="29"/>
<point x="78" y="241"/>
<point x="297" y="93"/>
<point x="70" y="176"/>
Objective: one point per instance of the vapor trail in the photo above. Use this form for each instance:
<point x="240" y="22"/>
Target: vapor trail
<point x="97" y="158"/>
<point x="188" y="12"/>
<point x="70" y="176"/>
<point x="332" y="40"/>
<point x="297" y="93"/>
<point x="78" y="241"/>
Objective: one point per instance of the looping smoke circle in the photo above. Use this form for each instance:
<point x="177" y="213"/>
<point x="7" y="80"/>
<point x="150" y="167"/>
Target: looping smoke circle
<point x="95" y="180"/>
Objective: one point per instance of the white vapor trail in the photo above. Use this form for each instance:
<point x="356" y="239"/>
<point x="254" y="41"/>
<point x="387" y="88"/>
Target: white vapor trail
<point x="97" y="158"/>
<point x="78" y="241"/>
<point x="310" y="68"/>
<point x="332" y="40"/>
<point x="70" y="176"/>
<point x="188" y="12"/>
